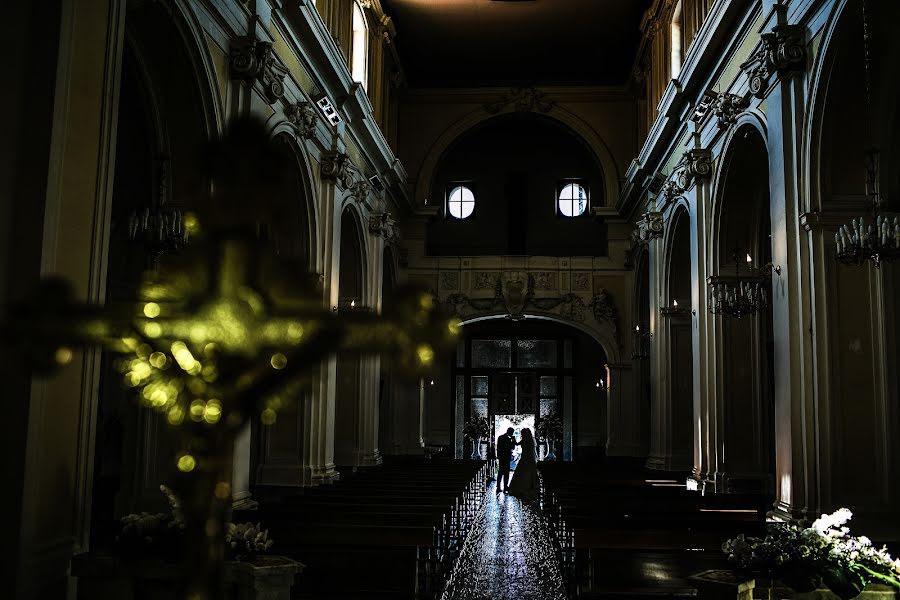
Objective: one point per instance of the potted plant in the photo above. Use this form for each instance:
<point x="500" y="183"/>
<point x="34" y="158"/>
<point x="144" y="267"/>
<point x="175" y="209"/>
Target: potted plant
<point x="150" y="545"/>
<point x="803" y="558"/>
<point x="549" y="429"/>
<point x="476" y="429"/>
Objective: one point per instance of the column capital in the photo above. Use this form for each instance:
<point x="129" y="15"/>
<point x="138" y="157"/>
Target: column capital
<point x="781" y="51"/>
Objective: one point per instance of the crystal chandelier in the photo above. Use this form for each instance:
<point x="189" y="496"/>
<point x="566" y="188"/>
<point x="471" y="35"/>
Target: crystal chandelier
<point x="742" y="293"/>
<point x="878" y="240"/>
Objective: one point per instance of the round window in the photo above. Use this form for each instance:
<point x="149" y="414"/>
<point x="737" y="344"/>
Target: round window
<point x="573" y="200"/>
<point x="461" y="202"/>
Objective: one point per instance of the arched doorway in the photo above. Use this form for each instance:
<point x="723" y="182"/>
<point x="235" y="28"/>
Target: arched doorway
<point x="348" y="451"/>
<point x="857" y="308"/>
<point x="516" y="373"/>
<point x="745" y="390"/>
<point x="164" y="120"/>
<point x="676" y="318"/>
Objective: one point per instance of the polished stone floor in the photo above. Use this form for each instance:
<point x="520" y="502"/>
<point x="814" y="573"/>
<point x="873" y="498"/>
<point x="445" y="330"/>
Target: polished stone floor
<point x="507" y="555"/>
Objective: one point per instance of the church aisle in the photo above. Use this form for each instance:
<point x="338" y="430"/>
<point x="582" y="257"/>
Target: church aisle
<point x="507" y="555"/>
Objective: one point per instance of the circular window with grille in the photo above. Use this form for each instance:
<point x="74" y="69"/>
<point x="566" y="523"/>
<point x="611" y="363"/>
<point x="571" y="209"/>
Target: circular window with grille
<point x="573" y="200"/>
<point x="461" y="202"/>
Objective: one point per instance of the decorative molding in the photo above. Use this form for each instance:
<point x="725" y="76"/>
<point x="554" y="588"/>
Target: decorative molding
<point x="781" y="51"/>
<point x="252" y="59"/>
<point x="448" y="281"/>
<point x="482" y="280"/>
<point x="581" y="282"/>
<point x="337" y="167"/>
<point x="515" y="293"/>
<point x="728" y="107"/>
<point x="523" y="99"/>
<point x="697" y="167"/>
<point x="670" y="192"/>
<point x="650" y="227"/>
<point x="359" y="189"/>
<point x="304" y="117"/>
<point x="545" y="280"/>
<point x="383" y="225"/>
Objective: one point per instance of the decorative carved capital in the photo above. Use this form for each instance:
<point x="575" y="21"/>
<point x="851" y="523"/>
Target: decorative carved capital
<point x="383" y="225"/>
<point x="650" y="227"/>
<point x="252" y="59"/>
<point x="697" y="167"/>
<point x="781" y="51"/>
<point x="304" y="117"/>
<point x="524" y="99"/>
<point x="337" y="167"/>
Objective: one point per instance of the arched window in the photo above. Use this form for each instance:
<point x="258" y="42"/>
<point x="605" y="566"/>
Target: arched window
<point x="573" y="200"/>
<point x="360" y="47"/>
<point x="676" y="30"/>
<point x="461" y="202"/>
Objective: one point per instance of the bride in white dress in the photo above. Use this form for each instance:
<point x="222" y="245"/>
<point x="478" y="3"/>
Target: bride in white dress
<point x="525" y="479"/>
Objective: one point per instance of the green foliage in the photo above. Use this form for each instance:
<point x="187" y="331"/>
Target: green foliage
<point x="477" y="428"/>
<point x="550" y="427"/>
<point x="823" y="553"/>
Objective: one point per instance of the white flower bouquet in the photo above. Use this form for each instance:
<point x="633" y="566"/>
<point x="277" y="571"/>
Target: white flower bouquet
<point x="825" y="552"/>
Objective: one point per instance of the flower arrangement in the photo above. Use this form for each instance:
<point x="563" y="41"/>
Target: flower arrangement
<point x="476" y="428"/>
<point x="549" y="427"/>
<point x="825" y="552"/>
<point x="162" y="535"/>
<point x="246" y="539"/>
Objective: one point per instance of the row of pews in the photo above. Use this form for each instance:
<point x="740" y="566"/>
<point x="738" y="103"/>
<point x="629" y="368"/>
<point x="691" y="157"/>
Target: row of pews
<point x="388" y="532"/>
<point x="639" y="534"/>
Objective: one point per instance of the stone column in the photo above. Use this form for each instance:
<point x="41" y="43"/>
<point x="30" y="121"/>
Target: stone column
<point x="659" y="364"/>
<point x="56" y="183"/>
<point x="771" y="78"/>
<point x="623" y="437"/>
<point x="704" y="331"/>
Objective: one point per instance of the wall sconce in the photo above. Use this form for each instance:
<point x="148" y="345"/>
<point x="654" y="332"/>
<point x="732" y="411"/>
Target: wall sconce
<point x="600" y="385"/>
<point x="640" y="343"/>
<point x="432" y="382"/>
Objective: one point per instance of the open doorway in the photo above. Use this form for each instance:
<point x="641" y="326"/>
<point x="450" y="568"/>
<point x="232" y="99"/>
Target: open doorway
<point x="518" y="423"/>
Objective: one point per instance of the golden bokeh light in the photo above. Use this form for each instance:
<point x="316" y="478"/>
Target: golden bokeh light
<point x="186" y="463"/>
<point x="151" y="310"/>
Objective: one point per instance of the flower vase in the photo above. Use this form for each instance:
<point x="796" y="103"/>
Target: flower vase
<point x="476" y="449"/>
<point x="551" y="449"/>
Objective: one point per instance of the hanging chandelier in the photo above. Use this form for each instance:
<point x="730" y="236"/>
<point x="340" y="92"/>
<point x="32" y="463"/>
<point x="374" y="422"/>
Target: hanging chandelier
<point x="879" y="240"/>
<point x="742" y="293"/>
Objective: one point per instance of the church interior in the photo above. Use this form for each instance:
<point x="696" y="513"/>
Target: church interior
<point x="277" y="276"/>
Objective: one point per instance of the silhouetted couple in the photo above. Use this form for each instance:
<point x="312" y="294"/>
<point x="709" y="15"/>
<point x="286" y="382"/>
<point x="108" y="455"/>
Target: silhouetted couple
<point x="525" y="479"/>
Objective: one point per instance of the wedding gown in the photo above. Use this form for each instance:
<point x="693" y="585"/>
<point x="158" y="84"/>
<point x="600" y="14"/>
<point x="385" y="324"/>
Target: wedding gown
<point x="525" y="478"/>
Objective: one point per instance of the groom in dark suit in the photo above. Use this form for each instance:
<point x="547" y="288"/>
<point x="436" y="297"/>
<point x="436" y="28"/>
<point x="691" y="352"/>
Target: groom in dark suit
<point x="505" y="445"/>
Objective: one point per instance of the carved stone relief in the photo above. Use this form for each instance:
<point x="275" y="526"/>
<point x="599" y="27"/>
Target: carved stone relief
<point x="252" y="59"/>
<point x="484" y="280"/>
<point x="449" y="281"/>
<point x="545" y="280"/>
<point x="336" y="166"/>
<point x="304" y="117"/>
<point x="524" y="99"/>
<point x="383" y="225"/>
<point x="581" y="282"/>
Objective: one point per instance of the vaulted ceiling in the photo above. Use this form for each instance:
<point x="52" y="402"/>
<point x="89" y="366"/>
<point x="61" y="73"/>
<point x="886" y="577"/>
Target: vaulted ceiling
<point x="515" y="42"/>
